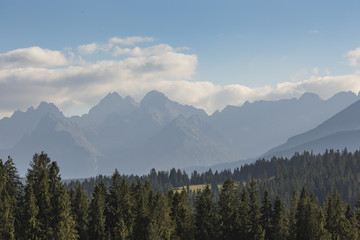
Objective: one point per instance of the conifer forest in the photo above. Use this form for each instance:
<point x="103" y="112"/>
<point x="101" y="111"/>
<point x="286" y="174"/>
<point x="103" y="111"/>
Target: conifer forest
<point x="306" y="197"/>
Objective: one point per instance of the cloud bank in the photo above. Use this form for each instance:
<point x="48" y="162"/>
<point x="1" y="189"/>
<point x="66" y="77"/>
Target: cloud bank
<point x="31" y="75"/>
<point x="32" y="57"/>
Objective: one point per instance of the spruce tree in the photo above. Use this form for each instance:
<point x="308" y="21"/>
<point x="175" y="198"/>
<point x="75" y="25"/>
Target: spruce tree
<point x="256" y="230"/>
<point x="279" y="221"/>
<point x="118" y="207"/>
<point x="62" y="222"/>
<point x="141" y="211"/>
<point x="161" y="226"/>
<point x="243" y="224"/>
<point x="228" y="211"/>
<point x="182" y="216"/>
<point x="97" y="224"/>
<point x="31" y="227"/>
<point x="38" y="178"/>
<point x="310" y="219"/>
<point x="334" y="210"/>
<point x="266" y="213"/>
<point x="292" y="214"/>
<point x="80" y="207"/>
<point x="9" y="198"/>
<point x="205" y="215"/>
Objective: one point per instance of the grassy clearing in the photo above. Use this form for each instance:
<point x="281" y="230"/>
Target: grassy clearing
<point x="195" y="188"/>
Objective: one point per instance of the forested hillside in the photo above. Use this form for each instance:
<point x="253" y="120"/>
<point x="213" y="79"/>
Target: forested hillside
<point x="130" y="208"/>
<point x="319" y="174"/>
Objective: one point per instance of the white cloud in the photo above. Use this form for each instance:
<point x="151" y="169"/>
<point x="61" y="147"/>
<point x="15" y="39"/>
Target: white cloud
<point x="354" y="57"/>
<point x="130" y="40"/>
<point x="160" y="67"/>
<point x="160" y="49"/>
<point x="88" y="48"/>
<point x="32" y="57"/>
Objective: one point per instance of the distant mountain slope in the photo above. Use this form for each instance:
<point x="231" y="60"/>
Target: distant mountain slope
<point x="12" y="129"/>
<point x="74" y="155"/>
<point x="158" y="132"/>
<point x="340" y="131"/>
<point x="112" y="103"/>
<point x="254" y="128"/>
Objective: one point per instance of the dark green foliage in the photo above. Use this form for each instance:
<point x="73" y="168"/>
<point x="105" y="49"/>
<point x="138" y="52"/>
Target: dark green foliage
<point x="97" y="224"/>
<point x="206" y="226"/>
<point x="279" y="226"/>
<point x="228" y="211"/>
<point x="266" y="214"/>
<point x="334" y="210"/>
<point x="182" y="216"/>
<point x="42" y="208"/>
<point x="256" y="230"/>
<point x="161" y="226"/>
<point x="10" y="189"/>
<point x="31" y="227"/>
<point x="142" y="195"/>
<point x="80" y="207"/>
<point x="119" y="217"/>
<point x="310" y="219"/>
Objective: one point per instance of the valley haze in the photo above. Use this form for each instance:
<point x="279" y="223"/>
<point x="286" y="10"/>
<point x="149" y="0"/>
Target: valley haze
<point x="160" y="133"/>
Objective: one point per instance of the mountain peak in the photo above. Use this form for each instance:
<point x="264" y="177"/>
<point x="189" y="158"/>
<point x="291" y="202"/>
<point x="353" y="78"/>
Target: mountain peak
<point x="153" y="98"/>
<point x="45" y="108"/>
<point x="111" y="103"/>
<point x="309" y="97"/>
<point x="111" y="97"/>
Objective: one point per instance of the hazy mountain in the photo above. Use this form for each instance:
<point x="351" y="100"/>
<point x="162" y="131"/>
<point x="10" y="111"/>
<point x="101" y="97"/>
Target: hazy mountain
<point x="112" y="103"/>
<point x="185" y="142"/>
<point x="74" y="155"/>
<point x="340" y="131"/>
<point x="159" y="133"/>
<point x="254" y="128"/>
<point x="12" y="129"/>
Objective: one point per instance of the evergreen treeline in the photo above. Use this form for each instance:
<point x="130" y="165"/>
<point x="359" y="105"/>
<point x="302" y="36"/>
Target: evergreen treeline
<point x="319" y="174"/>
<point x="44" y="209"/>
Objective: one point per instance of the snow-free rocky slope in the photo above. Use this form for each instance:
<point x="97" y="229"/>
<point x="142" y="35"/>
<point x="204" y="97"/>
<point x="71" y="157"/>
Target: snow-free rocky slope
<point x="158" y="133"/>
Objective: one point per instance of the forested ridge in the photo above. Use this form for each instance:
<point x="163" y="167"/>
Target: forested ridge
<point x="298" y="198"/>
<point x="320" y="174"/>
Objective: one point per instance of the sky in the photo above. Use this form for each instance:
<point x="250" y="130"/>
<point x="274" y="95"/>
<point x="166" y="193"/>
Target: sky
<point x="208" y="54"/>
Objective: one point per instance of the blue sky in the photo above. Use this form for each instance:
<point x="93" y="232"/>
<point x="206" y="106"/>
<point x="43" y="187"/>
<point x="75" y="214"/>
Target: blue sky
<point x="204" y="53"/>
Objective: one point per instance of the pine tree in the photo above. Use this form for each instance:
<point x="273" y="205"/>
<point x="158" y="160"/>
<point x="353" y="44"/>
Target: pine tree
<point x="334" y="209"/>
<point x="266" y="213"/>
<point x="141" y="211"/>
<point x="182" y="216"/>
<point x="9" y="196"/>
<point x="97" y="224"/>
<point x="350" y="227"/>
<point x="292" y="214"/>
<point x="160" y="226"/>
<point x="30" y="224"/>
<point x="256" y="230"/>
<point x="205" y="215"/>
<point x="243" y="225"/>
<point x="228" y="211"/>
<point x="61" y="219"/>
<point x="118" y="207"/>
<point x="66" y="225"/>
<point x="80" y="207"/>
<point x="279" y="221"/>
<point x="310" y="220"/>
<point x="38" y="178"/>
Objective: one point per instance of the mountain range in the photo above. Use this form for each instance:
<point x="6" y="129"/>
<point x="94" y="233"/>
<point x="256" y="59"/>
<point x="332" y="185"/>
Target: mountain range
<point x="160" y="133"/>
<point x="339" y="132"/>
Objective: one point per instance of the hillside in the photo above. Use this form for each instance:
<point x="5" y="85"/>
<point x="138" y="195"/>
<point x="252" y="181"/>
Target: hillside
<point x="158" y="133"/>
<point x="340" y="131"/>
